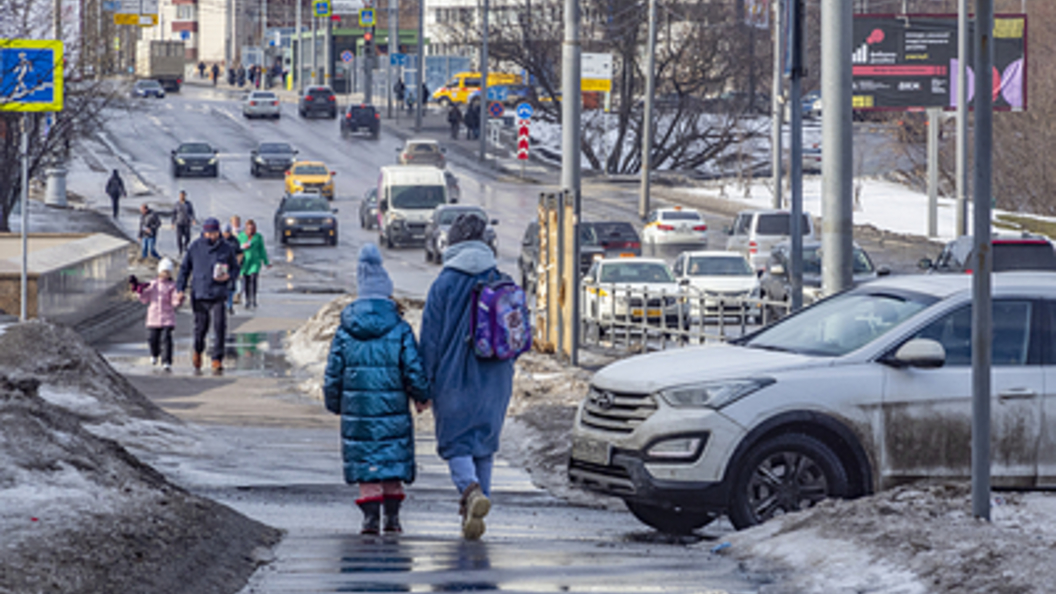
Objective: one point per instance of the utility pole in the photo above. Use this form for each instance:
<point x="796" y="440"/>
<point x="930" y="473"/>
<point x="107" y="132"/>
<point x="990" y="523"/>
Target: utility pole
<point x="394" y="47"/>
<point x="328" y="59"/>
<point x="571" y="103"/>
<point x="420" y="103"/>
<point x="962" y="117"/>
<point x="484" y="84"/>
<point x="647" y="116"/>
<point x="933" y="171"/>
<point x="837" y="191"/>
<point x="315" y="48"/>
<point x="777" y="115"/>
<point x="263" y="30"/>
<point x="298" y="65"/>
<point x="796" y="67"/>
<point x="23" y="314"/>
<point x="982" y="261"/>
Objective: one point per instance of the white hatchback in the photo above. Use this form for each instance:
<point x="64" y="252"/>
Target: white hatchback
<point x="261" y="104"/>
<point x="862" y="391"/>
<point x="677" y="225"/>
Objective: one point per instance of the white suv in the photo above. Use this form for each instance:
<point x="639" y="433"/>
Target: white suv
<point x="860" y="392"/>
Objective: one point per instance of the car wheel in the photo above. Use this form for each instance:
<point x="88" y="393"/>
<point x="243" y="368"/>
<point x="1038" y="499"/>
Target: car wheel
<point x="669" y="521"/>
<point x="333" y="240"/>
<point x="785" y="474"/>
<point x="216" y="172"/>
<point x="428" y="255"/>
<point x="254" y="171"/>
<point x="333" y="115"/>
<point x="344" y="133"/>
<point x="362" y="222"/>
<point x="175" y="171"/>
<point x="445" y="102"/>
<point x="388" y="242"/>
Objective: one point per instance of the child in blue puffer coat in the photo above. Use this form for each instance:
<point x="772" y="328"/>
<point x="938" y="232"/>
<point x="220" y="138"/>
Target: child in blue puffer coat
<point x="373" y="371"/>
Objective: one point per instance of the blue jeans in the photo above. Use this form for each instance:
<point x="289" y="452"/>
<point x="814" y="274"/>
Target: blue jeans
<point x="148" y="248"/>
<point x="466" y="470"/>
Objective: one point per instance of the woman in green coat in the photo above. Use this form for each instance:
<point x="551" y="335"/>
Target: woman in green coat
<point x="253" y="257"/>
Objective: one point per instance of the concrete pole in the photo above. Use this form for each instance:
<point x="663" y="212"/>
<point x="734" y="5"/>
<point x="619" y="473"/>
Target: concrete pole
<point x="484" y="84"/>
<point x="419" y="105"/>
<point x="25" y="217"/>
<point x="933" y="171"/>
<point x="571" y="152"/>
<point x="647" y="115"/>
<point x="982" y="262"/>
<point x="795" y="155"/>
<point x="328" y="59"/>
<point x="298" y="64"/>
<point x="263" y="30"/>
<point x="56" y="24"/>
<point x="394" y="48"/>
<point x="777" y="113"/>
<point x="837" y="191"/>
<point x="962" y="117"/>
<point x="315" y="52"/>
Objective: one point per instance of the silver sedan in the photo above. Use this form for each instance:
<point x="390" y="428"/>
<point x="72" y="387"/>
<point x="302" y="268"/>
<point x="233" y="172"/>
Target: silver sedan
<point x="261" y="104"/>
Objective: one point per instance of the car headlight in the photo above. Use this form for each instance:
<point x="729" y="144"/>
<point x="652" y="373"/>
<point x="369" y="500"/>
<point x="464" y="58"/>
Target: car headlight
<point x="677" y="448"/>
<point x="291" y="221"/>
<point x="297" y="184"/>
<point x="811" y="294"/>
<point x="212" y="161"/>
<point x="180" y="161"/>
<point x="258" y="159"/>
<point x="712" y="394"/>
<point x="328" y="222"/>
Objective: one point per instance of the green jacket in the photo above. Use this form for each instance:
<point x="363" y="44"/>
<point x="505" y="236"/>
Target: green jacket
<point x="254" y="256"/>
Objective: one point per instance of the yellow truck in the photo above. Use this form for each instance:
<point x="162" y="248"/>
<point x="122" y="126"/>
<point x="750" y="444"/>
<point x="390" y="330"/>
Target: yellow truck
<point x="463" y="84"/>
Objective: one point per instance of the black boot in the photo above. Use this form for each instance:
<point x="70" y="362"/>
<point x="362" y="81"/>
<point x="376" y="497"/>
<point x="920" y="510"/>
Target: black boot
<point x="392" y="514"/>
<point x="371" y="516"/>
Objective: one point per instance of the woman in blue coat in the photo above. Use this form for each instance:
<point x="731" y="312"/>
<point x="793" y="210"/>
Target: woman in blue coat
<point x="373" y="370"/>
<point x="469" y="395"/>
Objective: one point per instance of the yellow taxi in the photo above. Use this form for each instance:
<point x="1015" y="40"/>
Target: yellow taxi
<point x="309" y="177"/>
<point x="463" y="84"/>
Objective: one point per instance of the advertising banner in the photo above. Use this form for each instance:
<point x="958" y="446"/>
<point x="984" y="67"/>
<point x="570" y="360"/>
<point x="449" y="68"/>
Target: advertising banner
<point x="903" y="62"/>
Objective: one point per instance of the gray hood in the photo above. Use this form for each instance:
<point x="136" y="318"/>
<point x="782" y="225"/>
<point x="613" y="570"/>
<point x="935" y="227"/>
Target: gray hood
<point x="471" y="257"/>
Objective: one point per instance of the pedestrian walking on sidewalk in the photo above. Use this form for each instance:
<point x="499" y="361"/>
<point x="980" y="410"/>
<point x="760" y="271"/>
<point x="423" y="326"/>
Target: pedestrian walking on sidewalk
<point x="373" y="371"/>
<point x="469" y="394"/>
<point x="162" y="299"/>
<point x="182" y="219"/>
<point x="201" y="69"/>
<point x="236" y="283"/>
<point x="207" y="266"/>
<point x="229" y="236"/>
<point x="216" y="72"/>
<point x="454" y="119"/>
<point x="149" y="223"/>
<point x="115" y="188"/>
<point x="472" y="119"/>
<point x="400" y="90"/>
<point x="254" y="255"/>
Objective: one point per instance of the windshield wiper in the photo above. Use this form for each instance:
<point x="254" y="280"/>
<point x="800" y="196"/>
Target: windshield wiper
<point x="769" y="347"/>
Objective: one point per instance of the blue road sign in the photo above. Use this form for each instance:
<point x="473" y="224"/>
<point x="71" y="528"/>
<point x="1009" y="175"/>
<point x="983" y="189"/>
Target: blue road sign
<point x="112" y="5"/>
<point x="495" y="109"/>
<point x="321" y="8"/>
<point x="524" y="111"/>
<point x="498" y="93"/>
<point x="398" y="59"/>
<point x="185" y="35"/>
<point x="30" y="75"/>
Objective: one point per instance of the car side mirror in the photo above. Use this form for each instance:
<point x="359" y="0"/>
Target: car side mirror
<point x="398" y="149"/>
<point x="216" y="152"/>
<point x="296" y="152"/>
<point x="334" y="211"/>
<point x="173" y="153"/>
<point x="383" y="204"/>
<point x="253" y="152"/>
<point x="684" y="282"/>
<point x="925" y="264"/>
<point x="728" y="230"/>
<point x="333" y="173"/>
<point x="883" y="271"/>
<point x="777" y="270"/>
<point x="443" y="150"/>
<point x="924" y="353"/>
<point x="494" y="222"/>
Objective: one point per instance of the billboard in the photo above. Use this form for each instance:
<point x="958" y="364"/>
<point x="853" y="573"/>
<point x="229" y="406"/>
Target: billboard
<point x="903" y="62"/>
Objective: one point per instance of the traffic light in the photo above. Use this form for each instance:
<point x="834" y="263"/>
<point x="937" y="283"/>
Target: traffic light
<point x="368" y="42"/>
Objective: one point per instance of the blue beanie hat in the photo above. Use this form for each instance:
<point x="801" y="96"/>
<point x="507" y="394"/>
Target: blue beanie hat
<point x="371" y="277"/>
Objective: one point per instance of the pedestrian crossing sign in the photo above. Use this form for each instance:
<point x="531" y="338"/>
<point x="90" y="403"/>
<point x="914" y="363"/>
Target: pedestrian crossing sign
<point x="366" y="17"/>
<point x="30" y="75"/>
<point x="321" y="8"/>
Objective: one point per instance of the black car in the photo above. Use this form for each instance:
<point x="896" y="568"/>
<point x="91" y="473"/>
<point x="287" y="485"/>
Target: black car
<point x="317" y="100"/>
<point x="271" y="158"/>
<point x="528" y="262"/>
<point x="148" y="88"/>
<point x="361" y="118"/>
<point x="305" y="215"/>
<point x="1011" y="251"/>
<point x="195" y="158"/>
<point x="440" y="224"/>
<point x="368" y="209"/>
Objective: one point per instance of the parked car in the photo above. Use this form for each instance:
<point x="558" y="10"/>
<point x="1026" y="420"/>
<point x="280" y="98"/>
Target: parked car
<point x="310" y="176"/>
<point x="270" y="158"/>
<point x="314" y="100"/>
<point x="305" y="215"/>
<point x="368" y="209"/>
<point x="422" y="152"/>
<point x="361" y="118"/>
<point x="443" y="217"/>
<point x="617" y="239"/>
<point x="454" y="190"/>
<point x="863" y="391"/>
<point x="528" y="261"/>
<point x="754" y="232"/>
<point x="407" y="196"/>
<point x="196" y="158"/>
<point x="630" y="289"/>
<point x="1011" y="251"/>
<point x="148" y="88"/>
<point x="676" y="225"/>
<point x="715" y="277"/>
<point x="261" y="104"/>
<point x="776" y="280"/>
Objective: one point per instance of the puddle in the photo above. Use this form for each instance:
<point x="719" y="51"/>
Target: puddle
<point x="258" y="354"/>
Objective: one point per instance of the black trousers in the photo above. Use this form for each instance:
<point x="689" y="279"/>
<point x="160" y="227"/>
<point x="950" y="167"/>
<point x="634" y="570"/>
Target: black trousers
<point x="204" y="309"/>
<point x="249" y="289"/>
<point x="113" y="202"/>
<point x="183" y="237"/>
<point x="160" y="340"/>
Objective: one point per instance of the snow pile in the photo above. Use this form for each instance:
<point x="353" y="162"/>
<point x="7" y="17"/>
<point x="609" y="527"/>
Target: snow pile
<point x="912" y="539"/>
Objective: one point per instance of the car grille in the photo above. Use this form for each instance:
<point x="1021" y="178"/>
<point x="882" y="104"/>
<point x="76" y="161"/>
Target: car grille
<point x="313" y="187"/>
<point x="416" y="228"/>
<point x="653" y="302"/>
<point x="616" y="412"/>
<point x="310" y="221"/>
<point x="608" y="479"/>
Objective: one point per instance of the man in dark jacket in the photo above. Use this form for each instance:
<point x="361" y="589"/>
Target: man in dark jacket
<point x="215" y="72"/>
<point x="182" y="219"/>
<point x="208" y="265"/>
<point x="454" y="119"/>
<point x="472" y="119"/>
<point x="115" y="188"/>
<point x="469" y="395"/>
<point x="149" y="223"/>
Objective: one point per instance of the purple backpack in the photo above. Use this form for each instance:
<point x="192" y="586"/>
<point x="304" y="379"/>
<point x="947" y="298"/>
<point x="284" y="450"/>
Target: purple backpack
<point x="501" y="325"/>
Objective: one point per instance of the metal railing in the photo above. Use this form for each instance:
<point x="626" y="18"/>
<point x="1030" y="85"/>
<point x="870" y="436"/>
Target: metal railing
<point x="623" y="317"/>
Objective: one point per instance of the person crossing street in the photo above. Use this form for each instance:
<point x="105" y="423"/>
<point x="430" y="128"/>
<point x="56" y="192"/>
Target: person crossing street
<point x="182" y="219"/>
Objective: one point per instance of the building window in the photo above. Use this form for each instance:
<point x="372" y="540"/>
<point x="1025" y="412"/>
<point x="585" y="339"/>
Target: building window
<point x="185" y="12"/>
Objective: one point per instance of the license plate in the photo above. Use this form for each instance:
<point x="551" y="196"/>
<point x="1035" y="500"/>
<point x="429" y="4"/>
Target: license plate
<point x="653" y="313"/>
<point x="591" y="450"/>
<point x="197" y="168"/>
<point x="309" y="229"/>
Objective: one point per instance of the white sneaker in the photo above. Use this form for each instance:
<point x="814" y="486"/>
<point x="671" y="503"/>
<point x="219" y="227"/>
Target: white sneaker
<point x="154" y="361"/>
<point x="168" y="368"/>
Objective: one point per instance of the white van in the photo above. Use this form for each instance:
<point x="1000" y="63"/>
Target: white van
<point x="754" y="232"/>
<point x="407" y="196"/>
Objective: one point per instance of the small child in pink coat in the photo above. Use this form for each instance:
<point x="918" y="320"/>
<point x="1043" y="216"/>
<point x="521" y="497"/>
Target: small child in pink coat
<point x="163" y="299"/>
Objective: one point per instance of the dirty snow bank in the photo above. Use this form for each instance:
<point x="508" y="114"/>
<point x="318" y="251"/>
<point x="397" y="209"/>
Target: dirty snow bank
<point x="913" y="539"/>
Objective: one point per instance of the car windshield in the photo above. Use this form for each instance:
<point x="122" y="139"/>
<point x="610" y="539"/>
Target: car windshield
<point x="310" y="170"/>
<point x="606" y="232"/>
<point x="448" y="215"/>
<point x="417" y="197"/>
<point x="194" y="148"/>
<point x="320" y="92"/>
<point x="307" y="205"/>
<point x="260" y="95"/>
<point x="275" y="147"/>
<point x="719" y="266"/>
<point x="812" y="261"/>
<point x="148" y="84"/>
<point x="840" y="325"/>
<point x="636" y="272"/>
<point x="423" y="148"/>
<point x="1023" y="256"/>
<point x="776" y="223"/>
<point x="681" y="215"/>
